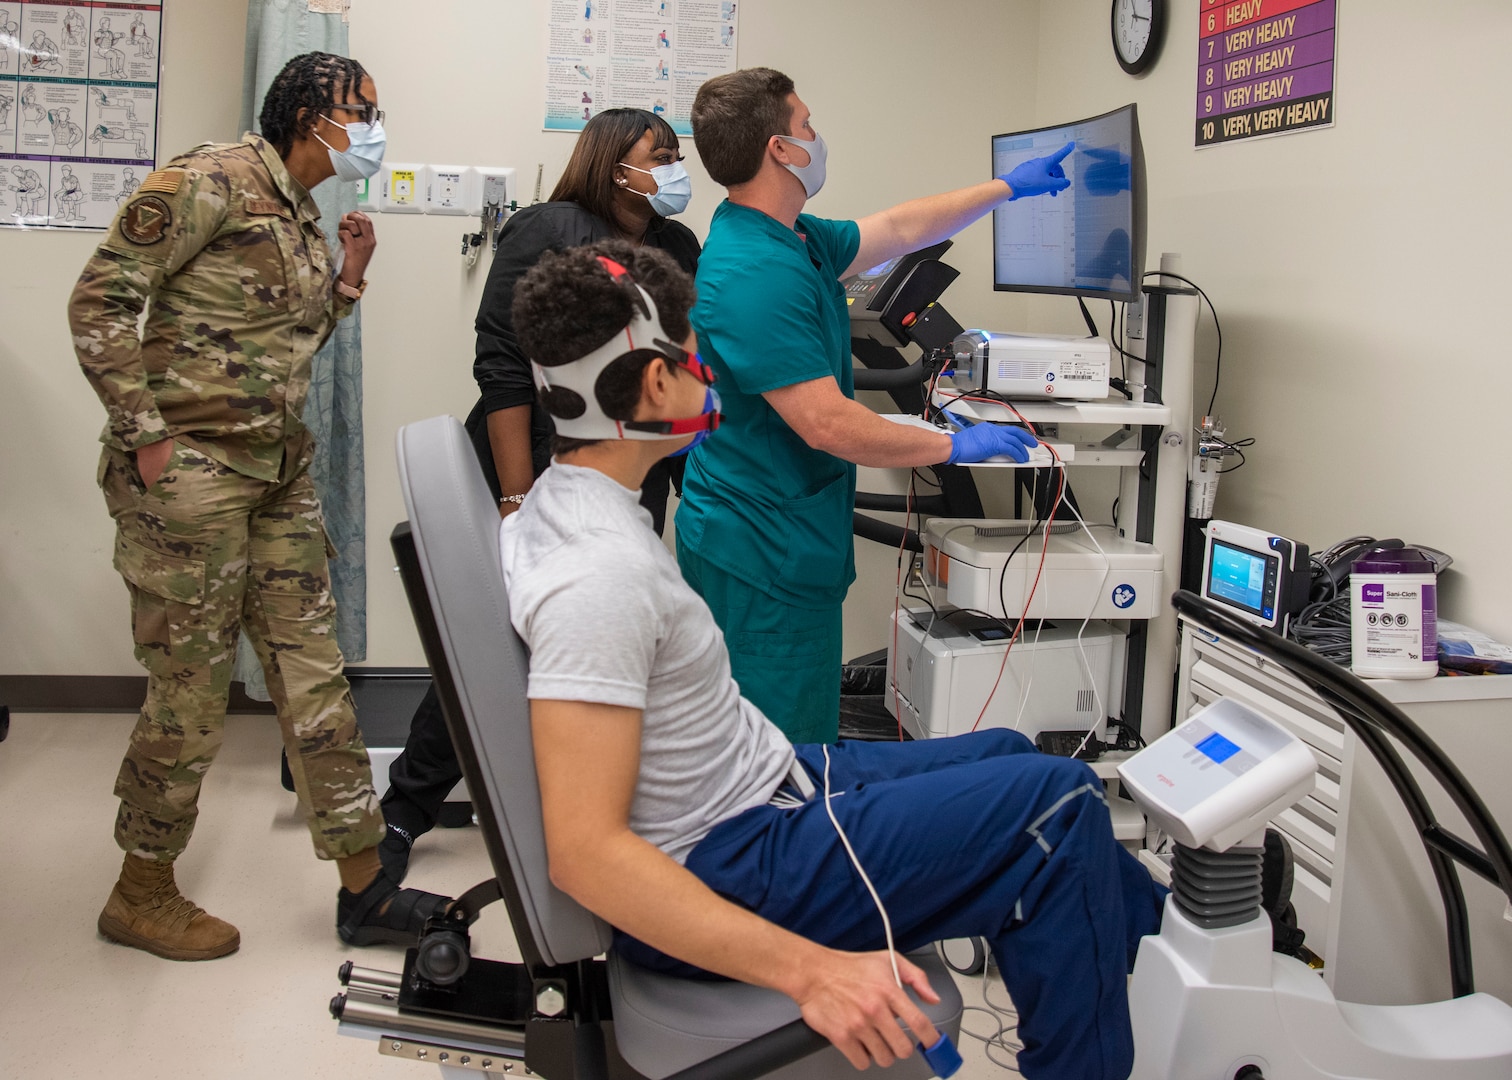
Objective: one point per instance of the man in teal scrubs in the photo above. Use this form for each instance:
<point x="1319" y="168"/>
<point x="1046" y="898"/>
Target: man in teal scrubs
<point x="764" y="528"/>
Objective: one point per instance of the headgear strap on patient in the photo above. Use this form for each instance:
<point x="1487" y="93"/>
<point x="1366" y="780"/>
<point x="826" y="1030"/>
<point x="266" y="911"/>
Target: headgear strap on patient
<point x="569" y="389"/>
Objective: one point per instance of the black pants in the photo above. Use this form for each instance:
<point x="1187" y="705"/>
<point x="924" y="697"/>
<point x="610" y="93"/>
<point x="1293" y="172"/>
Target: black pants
<point x="422" y="775"/>
<point x="427" y="769"/>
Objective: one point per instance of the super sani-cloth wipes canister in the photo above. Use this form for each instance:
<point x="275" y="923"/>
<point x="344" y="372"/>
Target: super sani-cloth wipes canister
<point x="1394" y="615"/>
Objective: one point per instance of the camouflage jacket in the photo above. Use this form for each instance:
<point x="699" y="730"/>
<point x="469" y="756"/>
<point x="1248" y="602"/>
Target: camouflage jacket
<point x="224" y="244"/>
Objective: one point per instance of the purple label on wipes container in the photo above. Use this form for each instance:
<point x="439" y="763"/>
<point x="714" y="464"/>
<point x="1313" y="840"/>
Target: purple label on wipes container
<point x="1373" y="594"/>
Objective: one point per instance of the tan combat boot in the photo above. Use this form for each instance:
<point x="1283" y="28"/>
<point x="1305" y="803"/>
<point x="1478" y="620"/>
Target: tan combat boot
<point x="146" y="911"/>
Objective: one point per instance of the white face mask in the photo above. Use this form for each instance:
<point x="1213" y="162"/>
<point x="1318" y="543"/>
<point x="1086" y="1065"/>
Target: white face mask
<point x="812" y="174"/>
<point x="364" y="157"/>
<point x="674" y="188"/>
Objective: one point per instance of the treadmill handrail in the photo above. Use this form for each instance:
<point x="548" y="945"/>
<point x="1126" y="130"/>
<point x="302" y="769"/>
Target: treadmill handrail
<point x="868" y="378"/>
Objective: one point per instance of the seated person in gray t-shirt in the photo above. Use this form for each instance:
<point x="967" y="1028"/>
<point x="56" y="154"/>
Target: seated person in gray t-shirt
<point x="680" y="814"/>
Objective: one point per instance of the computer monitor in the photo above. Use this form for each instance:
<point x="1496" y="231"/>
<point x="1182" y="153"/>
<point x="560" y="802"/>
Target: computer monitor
<point x="1090" y="239"/>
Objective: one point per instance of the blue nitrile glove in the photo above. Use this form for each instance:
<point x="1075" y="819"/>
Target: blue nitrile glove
<point x="1039" y="176"/>
<point x="982" y="441"/>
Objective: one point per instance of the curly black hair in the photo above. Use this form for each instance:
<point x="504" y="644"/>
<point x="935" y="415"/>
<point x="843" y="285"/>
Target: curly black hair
<point x="568" y="305"/>
<point x="307" y="87"/>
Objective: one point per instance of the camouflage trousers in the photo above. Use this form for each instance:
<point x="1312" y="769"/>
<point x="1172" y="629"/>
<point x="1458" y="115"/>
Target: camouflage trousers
<point x="206" y="551"/>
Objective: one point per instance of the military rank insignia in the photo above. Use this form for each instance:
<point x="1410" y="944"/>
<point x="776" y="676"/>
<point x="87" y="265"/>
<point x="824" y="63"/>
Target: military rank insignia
<point x="146" y="220"/>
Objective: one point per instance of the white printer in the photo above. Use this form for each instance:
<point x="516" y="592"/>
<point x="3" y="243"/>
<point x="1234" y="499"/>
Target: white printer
<point x="967" y="560"/>
<point x="941" y="670"/>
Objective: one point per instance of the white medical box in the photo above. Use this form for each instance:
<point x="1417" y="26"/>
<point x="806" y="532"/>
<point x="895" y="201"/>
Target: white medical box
<point x="968" y="561"/>
<point x="1035" y="366"/>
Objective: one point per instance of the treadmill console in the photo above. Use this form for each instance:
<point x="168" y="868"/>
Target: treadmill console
<point x="871" y="286"/>
<point x="890" y="299"/>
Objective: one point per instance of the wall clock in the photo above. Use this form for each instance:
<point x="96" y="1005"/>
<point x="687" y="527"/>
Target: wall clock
<point x="1138" y="27"/>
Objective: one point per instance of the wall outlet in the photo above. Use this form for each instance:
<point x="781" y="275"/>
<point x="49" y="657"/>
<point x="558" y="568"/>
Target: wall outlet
<point x="402" y="192"/>
<point x="451" y="189"/>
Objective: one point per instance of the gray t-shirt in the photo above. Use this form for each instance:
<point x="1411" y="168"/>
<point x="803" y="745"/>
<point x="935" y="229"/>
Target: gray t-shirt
<point x="608" y="619"/>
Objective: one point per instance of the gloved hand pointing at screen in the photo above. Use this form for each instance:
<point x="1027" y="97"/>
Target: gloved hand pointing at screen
<point x="982" y="441"/>
<point x="1039" y="176"/>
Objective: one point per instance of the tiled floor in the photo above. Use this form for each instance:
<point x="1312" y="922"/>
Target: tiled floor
<point x="73" y="1004"/>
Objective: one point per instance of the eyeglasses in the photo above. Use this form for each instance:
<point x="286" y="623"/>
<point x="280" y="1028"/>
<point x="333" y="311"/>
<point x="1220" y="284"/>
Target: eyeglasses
<point x="370" y="113"/>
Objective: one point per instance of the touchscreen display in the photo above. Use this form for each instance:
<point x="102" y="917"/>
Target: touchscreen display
<point x="1238" y="577"/>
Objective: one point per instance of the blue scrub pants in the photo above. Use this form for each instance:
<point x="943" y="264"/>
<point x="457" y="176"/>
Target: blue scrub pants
<point x="784" y="658"/>
<point x="974" y="836"/>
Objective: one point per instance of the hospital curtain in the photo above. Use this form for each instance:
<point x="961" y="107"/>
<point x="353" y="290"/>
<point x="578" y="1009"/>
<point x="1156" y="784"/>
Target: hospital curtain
<point x="278" y="31"/>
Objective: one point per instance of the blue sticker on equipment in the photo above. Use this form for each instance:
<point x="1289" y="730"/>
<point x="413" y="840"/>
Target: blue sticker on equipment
<point x="1123" y="596"/>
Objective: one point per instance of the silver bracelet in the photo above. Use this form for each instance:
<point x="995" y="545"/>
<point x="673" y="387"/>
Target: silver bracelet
<point x="516" y="499"/>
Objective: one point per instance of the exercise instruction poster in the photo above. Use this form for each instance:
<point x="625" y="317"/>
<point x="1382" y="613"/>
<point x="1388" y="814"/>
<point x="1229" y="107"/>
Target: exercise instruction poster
<point x="78" y="109"/>
<point x="1264" y="67"/>
<point x="644" y="54"/>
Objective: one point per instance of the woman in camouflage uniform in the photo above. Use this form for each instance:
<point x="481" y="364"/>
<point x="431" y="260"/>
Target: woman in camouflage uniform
<point x="206" y="473"/>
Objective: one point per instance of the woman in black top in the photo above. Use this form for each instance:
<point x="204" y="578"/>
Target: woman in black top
<point x="603" y="194"/>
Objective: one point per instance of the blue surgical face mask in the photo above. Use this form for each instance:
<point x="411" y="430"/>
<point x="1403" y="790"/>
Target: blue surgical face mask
<point x="711" y="405"/>
<point x="674" y="188"/>
<point x="364" y="157"/>
<point x="812" y="174"/>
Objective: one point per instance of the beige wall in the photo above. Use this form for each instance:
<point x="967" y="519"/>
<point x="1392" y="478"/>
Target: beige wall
<point x="1357" y="269"/>
<point x="62" y="607"/>
<point x="63" y="610"/>
<point x="1360" y="273"/>
<point x="900" y="115"/>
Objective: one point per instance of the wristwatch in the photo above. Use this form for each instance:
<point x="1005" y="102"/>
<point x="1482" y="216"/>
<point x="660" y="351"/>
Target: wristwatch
<point x="350" y="292"/>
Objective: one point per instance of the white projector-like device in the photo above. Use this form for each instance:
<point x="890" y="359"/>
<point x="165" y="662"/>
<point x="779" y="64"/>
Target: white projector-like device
<point x="969" y="560"/>
<point x="1036" y="366"/>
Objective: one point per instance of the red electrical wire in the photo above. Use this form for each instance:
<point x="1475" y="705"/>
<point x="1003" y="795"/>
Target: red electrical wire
<point x="1044" y="548"/>
<point x="934" y="388"/>
<point x="1024" y="615"/>
<point x="1004" y="404"/>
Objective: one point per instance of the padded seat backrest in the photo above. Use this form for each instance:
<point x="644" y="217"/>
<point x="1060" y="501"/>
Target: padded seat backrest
<point x="455" y="525"/>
